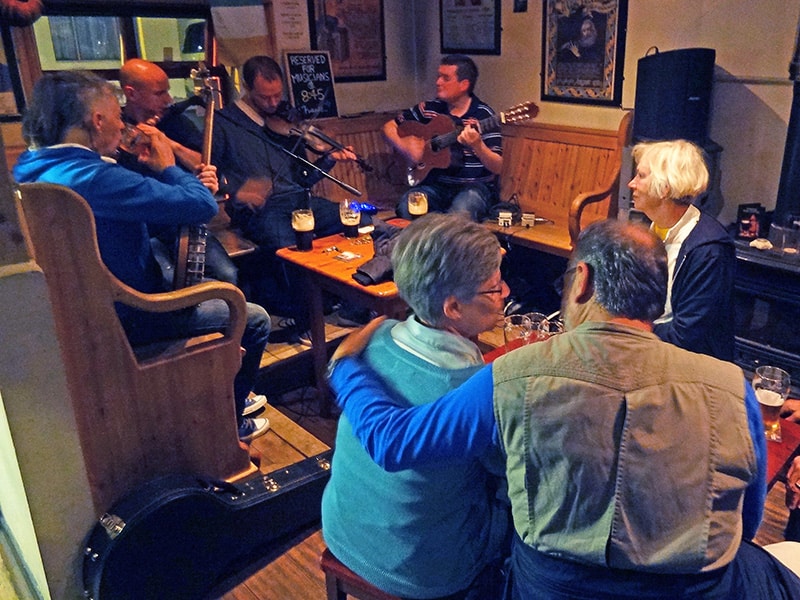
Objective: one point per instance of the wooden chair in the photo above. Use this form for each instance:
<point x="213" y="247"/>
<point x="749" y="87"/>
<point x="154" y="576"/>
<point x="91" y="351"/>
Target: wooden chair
<point x="167" y="410"/>
<point x="341" y="581"/>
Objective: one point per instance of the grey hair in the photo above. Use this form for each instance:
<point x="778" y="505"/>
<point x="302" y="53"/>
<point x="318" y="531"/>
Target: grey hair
<point x="442" y="255"/>
<point x="61" y="101"/>
<point x="629" y="268"/>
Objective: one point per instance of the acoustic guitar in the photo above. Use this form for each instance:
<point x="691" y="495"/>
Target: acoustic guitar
<point x="190" y="259"/>
<point x="440" y="133"/>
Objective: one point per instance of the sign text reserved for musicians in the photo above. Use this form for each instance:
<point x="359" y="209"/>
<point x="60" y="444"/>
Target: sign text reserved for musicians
<point x="310" y="80"/>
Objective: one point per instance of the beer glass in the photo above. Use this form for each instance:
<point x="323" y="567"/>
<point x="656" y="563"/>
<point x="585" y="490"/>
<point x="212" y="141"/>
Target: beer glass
<point x="540" y="327"/>
<point x="772" y="388"/>
<point x="417" y="204"/>
<point x="516" y="331"/>
<point x="303" y="225"/>
<point x="350" y="215"/>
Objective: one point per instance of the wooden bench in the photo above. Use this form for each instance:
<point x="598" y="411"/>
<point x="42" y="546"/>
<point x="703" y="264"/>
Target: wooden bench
<point x="568" y="175"/>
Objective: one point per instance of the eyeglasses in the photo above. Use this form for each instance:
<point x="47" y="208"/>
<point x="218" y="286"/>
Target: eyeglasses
<point x="558" y="284"/>
<point x="493" y="291"/>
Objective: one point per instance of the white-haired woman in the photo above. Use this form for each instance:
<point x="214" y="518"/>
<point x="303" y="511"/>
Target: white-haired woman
<point x="698" y="314"/>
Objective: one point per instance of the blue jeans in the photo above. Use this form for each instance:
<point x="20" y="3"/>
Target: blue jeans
<point x="473" y="199"/>
<point x="753" y="574"/>
<point x="207" y="317"/>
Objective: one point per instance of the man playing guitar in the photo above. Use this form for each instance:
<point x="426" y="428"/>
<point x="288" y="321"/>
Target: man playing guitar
<point x="468" y="183"/>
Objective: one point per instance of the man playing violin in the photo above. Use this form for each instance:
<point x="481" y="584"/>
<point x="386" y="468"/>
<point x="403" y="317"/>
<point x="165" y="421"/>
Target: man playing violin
<point x="265" y="183"/>
<point x="148" y="102"/>
<point x="469" y="184"/>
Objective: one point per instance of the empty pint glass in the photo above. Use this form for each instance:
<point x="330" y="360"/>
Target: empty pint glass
<point x="303" y="225"/>
<point x="772" y="388"/>
<point x="350" y="215"/>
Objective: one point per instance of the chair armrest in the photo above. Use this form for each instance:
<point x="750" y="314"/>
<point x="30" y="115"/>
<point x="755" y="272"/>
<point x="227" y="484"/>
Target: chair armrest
<point x="579" y="203"/>
<point x="188" y="297"/>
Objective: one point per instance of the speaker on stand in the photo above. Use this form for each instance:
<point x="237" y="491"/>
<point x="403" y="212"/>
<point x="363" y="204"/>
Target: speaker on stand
<point x="673" y="101"/>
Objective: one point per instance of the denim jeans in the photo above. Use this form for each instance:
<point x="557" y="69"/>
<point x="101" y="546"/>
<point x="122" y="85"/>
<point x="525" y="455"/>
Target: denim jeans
<point x="474" y="199"/>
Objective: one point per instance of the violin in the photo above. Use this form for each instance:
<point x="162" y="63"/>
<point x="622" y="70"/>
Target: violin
<point x="287" y="121"/>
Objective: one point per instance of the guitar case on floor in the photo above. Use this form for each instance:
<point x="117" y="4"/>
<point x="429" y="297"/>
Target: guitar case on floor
<point x="179" y="535"/>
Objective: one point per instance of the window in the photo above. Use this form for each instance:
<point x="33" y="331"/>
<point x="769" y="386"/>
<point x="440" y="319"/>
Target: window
<point x="85" y="38"/>
<point x="175" y="39"/>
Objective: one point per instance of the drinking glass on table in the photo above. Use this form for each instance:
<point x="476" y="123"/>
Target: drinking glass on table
<point x="540" y="327"/>
<point x="516" y="331"/>
<point x="303" y="225"/>
<point x="350" y="215"/>
<point x="417" y="204"/>
<point x="772" y="386"/>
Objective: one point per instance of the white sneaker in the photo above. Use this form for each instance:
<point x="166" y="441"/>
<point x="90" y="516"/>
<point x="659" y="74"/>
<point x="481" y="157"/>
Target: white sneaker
<point x="254" y="403"/>
<point x="250" y="429"/>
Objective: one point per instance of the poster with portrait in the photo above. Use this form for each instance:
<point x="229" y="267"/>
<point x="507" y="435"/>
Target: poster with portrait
<point x="351" y="32"/>
<point x="583" y="51"/>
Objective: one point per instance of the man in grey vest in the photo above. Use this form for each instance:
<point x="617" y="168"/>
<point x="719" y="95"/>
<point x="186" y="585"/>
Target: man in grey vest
<point x="635" y="468"/>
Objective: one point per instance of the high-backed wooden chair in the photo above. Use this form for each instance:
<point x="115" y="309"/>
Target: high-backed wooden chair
<point x="167" y="410"/>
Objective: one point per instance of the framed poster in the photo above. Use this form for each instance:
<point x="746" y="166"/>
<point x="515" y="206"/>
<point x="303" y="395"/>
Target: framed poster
<point x="311" y="84"/>
<point x="583" y="51"/>
<point x="351" y="31"/>
<point x="470" y="26"/>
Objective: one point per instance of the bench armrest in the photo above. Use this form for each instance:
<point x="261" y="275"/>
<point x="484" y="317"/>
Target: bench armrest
<point x="188" y="297"/>
<point x="581" y="201"/>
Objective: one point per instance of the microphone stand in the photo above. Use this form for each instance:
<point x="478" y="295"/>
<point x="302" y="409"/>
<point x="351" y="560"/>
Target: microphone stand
<point x="323" y="172"/>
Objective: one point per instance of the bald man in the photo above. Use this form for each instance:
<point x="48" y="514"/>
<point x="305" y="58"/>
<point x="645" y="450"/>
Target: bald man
<point x="147" y="97"/>
<point x="146" y="89"/>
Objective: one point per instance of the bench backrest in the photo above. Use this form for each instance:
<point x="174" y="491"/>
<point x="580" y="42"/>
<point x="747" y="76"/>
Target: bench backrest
<point x="382" y="186"/>
<point x="547" y="166"/>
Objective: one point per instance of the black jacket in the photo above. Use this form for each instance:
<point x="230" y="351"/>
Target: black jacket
<point x="702" y="292"/>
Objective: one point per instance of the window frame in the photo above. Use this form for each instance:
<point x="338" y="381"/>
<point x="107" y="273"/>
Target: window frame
<point x="21" y="45"/>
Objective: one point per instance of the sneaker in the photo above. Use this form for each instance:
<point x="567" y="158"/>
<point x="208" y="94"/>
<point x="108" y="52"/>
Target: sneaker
<point x="351" y="316"/>
<point x="254" y="403"/>
<point x="250" y="429"/>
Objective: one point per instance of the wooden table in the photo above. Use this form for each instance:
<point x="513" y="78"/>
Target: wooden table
<point x="322" y="270"/>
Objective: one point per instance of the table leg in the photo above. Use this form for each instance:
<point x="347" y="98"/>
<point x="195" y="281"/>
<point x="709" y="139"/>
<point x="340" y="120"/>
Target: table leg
<point x="319" y="354"/>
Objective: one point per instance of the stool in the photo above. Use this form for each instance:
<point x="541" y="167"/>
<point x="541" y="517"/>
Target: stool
<point x="341" y="581"/>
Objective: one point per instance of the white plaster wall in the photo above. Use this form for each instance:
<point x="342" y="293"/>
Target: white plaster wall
<point x="36" y="405"/>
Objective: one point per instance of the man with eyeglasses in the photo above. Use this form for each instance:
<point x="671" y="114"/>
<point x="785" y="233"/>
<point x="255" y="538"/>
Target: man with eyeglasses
<point x="635" y="468"/>
<point x="438" y="531"/>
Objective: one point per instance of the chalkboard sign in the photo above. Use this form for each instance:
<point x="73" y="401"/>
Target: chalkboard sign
<point x="311" y="83"/>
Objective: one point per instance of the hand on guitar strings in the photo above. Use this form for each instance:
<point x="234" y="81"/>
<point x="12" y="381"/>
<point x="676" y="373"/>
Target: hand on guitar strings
<point x="207" y="174"/>
<point x="470" y="136"/>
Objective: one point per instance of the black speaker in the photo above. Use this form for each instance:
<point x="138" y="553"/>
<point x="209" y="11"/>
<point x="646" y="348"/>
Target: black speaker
<point x="673" y="95"/>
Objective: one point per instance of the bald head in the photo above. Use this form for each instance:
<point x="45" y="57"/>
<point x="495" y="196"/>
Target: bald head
<point x="146" y="89"/>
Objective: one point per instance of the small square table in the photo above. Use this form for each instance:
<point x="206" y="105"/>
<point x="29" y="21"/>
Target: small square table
<point x="321" y="269"/>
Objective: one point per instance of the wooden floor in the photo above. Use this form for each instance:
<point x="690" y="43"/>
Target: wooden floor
<point x="291" y="571"/>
